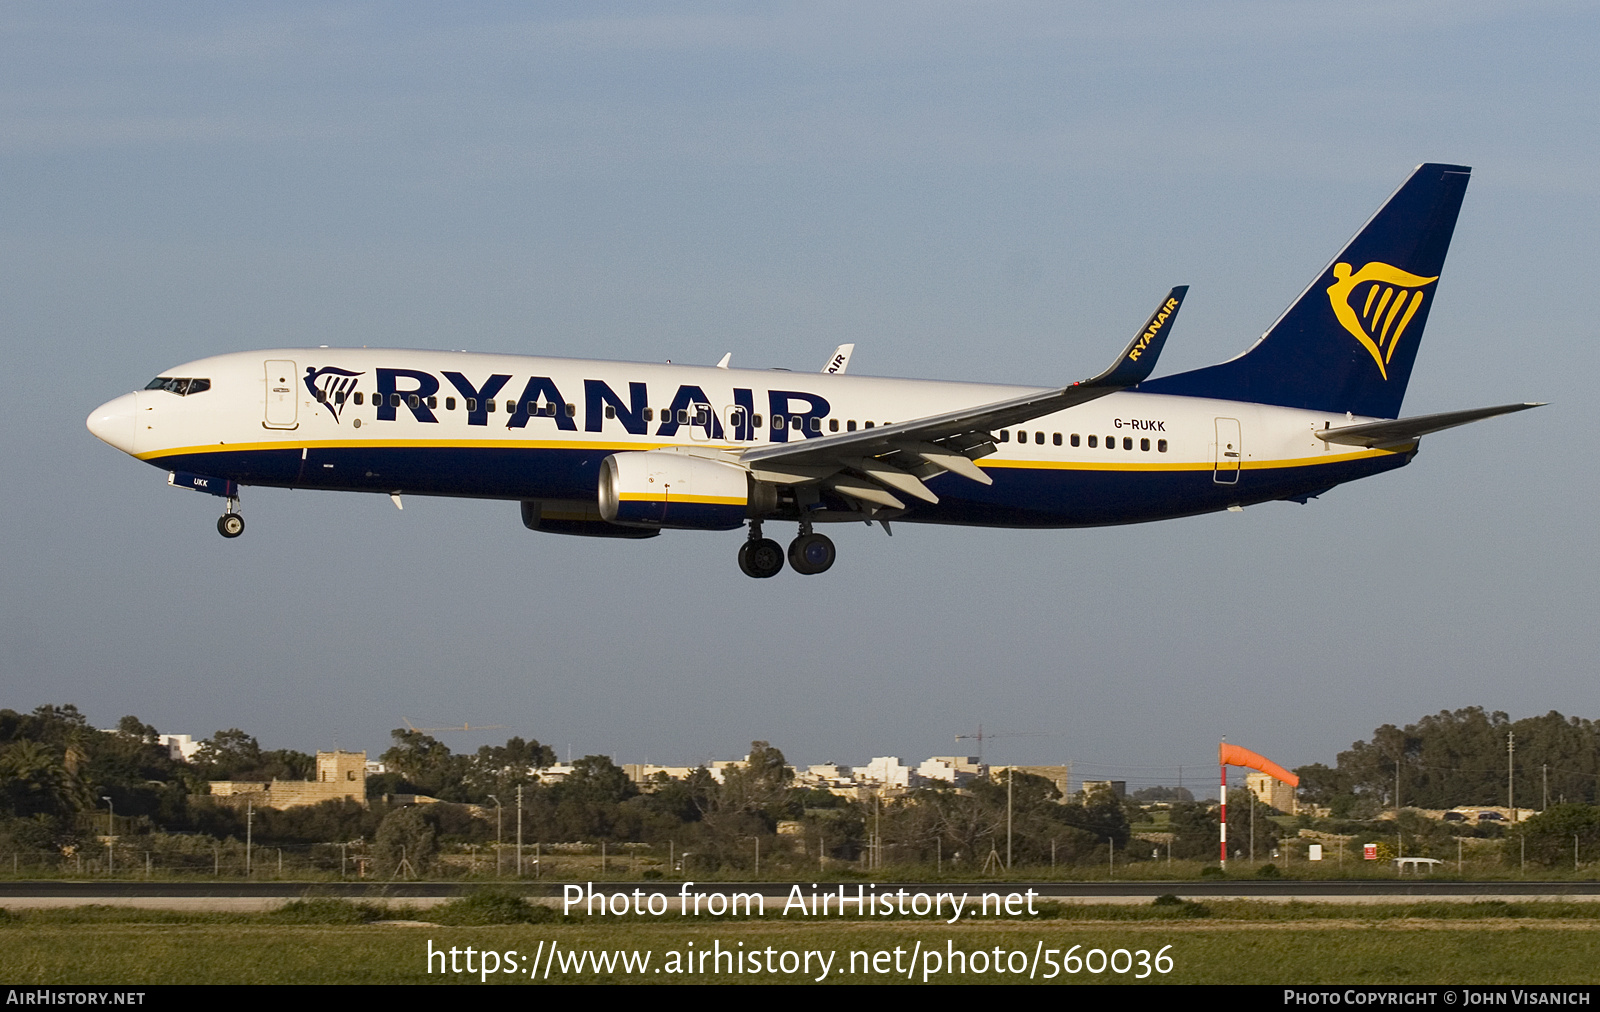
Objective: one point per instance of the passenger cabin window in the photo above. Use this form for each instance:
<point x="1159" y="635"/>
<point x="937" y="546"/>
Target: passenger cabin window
<point x="1074" y="439"/>
<point x="449" y="403"/>
<point x="1093" y="442"/>
<point x="649" y="414"/>
<point x="850" y="426"/>
<point x="1005" y="435"/>
<point x="1161" y="446"/>
<point x="1055" y="438"/>
<point x="777" y="422"/>
<point x="611" y="411"/>
<point x="866" y="425"/>
<point x="433" y="402"/>
<point x="394" y="400"/>
<point x="816" y="425"/>
<point x="1111" y="442"/>
<point x="1038" y="437"/>
<point x="833" y="425"/>
<point x="358" y="397"/>
<point x="1144" y="444"/>
<point x="1127" y="442"/>
<point x="755" y="421"/>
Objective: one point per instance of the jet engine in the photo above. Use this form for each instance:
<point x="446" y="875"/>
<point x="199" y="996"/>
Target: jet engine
<point x="653" y="488"/>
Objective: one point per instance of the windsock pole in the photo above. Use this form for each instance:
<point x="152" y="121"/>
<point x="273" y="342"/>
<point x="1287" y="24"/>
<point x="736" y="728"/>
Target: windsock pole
<point x="1224" y="823"/>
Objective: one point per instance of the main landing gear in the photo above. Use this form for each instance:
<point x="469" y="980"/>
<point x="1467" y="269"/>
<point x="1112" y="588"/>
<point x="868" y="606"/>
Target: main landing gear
<point x="762" y="557"/>
<point x="231" y="523"/>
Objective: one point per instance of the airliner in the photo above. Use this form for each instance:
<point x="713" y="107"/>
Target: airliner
<point x="627" y="450"/>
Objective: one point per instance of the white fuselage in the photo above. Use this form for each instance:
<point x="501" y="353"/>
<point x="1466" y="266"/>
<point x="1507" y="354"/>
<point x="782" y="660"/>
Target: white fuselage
<point x="533" y="428"/>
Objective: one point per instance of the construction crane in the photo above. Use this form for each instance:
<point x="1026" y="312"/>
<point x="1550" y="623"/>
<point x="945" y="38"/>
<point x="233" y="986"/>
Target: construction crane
<point x="980" y="736"/>
<point x="464" y="727"/>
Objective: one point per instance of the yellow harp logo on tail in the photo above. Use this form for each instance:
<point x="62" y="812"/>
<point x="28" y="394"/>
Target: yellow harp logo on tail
<point x="1388" y="296"/>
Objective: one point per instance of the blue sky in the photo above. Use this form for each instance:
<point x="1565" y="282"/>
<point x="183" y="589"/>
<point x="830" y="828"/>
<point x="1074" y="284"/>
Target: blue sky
<point x="987" y="191"/>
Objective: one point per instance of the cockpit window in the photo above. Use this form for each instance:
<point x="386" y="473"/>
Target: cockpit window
<point x="180" y="385"/>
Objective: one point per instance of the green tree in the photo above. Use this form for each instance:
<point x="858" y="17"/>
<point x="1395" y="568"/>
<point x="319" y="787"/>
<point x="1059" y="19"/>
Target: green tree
<point x="404" y="835"/>
<point x="1551" y="835"/>
<point x="228" y="755"/>
<point x="427" y="764"/>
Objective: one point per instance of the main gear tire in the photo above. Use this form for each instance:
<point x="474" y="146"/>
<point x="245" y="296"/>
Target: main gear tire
<point x="811" y="554"/>
<point x="761" y="558"/>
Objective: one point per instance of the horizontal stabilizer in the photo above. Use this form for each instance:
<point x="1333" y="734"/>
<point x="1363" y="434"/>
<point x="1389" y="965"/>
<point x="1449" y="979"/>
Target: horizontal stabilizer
<point x="1405" y="430"/>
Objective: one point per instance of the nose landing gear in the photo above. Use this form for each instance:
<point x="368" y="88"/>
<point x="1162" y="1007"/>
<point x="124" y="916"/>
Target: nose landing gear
<point x="231" y="524"/>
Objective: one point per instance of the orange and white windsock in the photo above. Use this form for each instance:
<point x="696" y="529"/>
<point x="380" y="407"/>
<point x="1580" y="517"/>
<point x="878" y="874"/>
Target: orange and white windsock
<point x="1233" y="755"/>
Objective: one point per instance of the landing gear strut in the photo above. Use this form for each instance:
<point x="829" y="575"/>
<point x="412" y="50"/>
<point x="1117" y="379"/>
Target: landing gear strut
<point x="810" y="553"/>
<point x="231" y="524"/>
<point x="760" y="557"/>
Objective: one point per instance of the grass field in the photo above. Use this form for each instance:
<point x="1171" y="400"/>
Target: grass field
<point x="329" y="941"/>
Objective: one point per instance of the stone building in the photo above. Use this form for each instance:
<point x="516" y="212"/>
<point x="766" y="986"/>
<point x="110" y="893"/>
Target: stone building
<point x="341" y="776"/>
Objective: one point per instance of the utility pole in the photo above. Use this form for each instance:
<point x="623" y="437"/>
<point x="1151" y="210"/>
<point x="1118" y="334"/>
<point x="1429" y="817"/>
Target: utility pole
<point x="249" y="825"/>
<point x="111" y="836"/>
<point x="519" y="829"/>
<point x="1511" y="749"/>
<point x="499" y="822"/>
<point x="1545" y="768"/>
<point x="1010" y="777"/>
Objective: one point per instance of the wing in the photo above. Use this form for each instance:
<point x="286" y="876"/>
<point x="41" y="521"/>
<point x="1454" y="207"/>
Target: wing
<point x="873" y="465"/>
<point x="1405" y="430"/>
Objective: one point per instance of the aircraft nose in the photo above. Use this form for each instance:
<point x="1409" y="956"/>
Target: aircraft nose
<point x="113" y="422"/>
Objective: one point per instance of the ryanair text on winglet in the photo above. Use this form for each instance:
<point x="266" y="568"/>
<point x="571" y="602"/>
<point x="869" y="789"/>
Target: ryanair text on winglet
<point x="1166" y="310"/>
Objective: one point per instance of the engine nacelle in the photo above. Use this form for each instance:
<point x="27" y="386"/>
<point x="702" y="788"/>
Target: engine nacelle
<point x="653" y="488"/>
<point x="560" y="516"/>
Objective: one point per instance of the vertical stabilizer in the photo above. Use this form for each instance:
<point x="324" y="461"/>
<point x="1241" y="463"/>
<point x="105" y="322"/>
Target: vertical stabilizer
<point x="1348" y="342"/>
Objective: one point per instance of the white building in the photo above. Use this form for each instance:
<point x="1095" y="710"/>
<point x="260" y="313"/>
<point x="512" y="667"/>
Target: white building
<point x="953" y="769"/>
<point x="885" y="771"/>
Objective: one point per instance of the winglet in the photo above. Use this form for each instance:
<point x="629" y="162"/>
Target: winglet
<point x="839" y="361"/>
<point x="1138" y="359"/>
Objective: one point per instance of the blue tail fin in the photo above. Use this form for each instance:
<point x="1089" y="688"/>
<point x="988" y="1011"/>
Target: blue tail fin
<point x="1348" y="342"/>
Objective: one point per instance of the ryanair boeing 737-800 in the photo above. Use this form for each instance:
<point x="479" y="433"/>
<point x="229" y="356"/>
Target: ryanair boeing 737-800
<point x="625" y="450"/>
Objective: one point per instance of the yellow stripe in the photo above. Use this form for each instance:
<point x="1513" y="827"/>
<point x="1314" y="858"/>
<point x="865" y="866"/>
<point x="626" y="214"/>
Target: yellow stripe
<point x="449" y="444"/>
<point x="713" y="500"/>
<point x="545" y="444"/>
<point x="1248" y="465"/>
